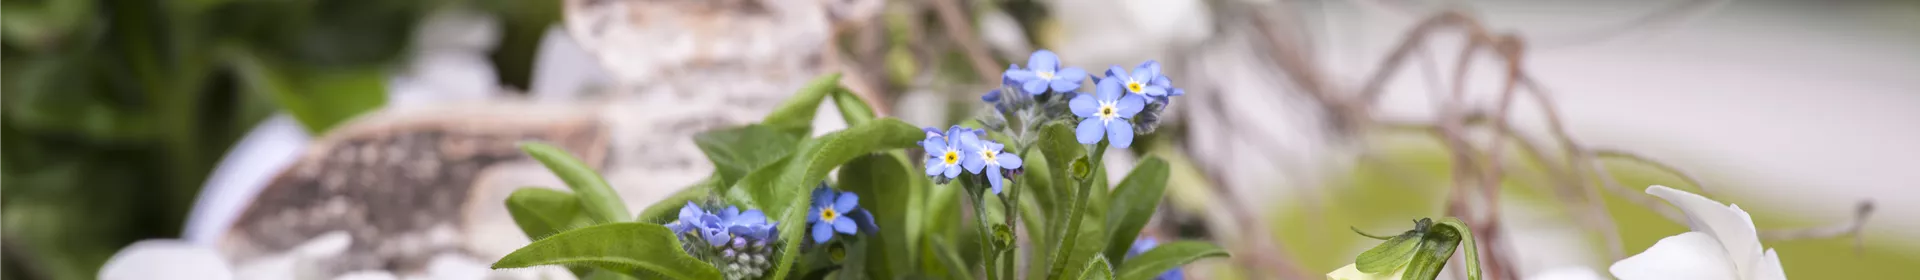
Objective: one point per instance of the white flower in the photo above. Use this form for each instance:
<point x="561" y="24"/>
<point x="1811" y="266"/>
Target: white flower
<point x="1722" y="245"/>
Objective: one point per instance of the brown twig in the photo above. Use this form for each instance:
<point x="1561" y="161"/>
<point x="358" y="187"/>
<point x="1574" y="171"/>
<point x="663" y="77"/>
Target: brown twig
<point x="1620" y="154"/>
<point x="954" y="17"/>
<point x="1850" y="227"/>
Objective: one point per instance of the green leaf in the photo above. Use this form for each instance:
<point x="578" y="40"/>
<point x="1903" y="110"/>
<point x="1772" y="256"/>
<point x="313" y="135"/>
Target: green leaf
<point x="950" y="258"/>
<point x="541" y="212"/>
<point x="598" y="199"/>
<point x="615" y="246"/>
<point x="1166" y="257"/>
<point x="1436" y="246"/>
<point x="884" y="185"/>
<point x="852" y="108"/>
<point x="319" y="98"/>
<point x="795" y="117"/>
<point x="740" y="150"/>
<point x="1389" y="255"/>
<point x="1097" y="269"/>
<point x="1058" y="143"/>
<point x="1132" y="204"/>
<point x="787" y="193"/>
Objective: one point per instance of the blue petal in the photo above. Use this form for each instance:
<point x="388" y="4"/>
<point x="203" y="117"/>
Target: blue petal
<point x="1152" y="68"/>
<point x="993" y="177"/>
<point x="753" y="216"/>
<point x="1116" y="72"/>
<point x="729" y="214"/>
<point x="1010" y="161"/>
<point x="865" y="218"/>
<point x="1071" y="73"/>
<point x="973" y="164"/>
<point x="1020" y="75"/>
<point x="717" y="238"/>
<point x="934" y="145"/>
<point x="1034" y="86"/>
<point x="1007" y="78"/>
<point x="970" y="142"/>
<point x="1176" y="92"/>
<point x="1043" y="61"/>
<point x="1162" y="81"/>
<point x="846" y="226"/>
<point x="822" y="232"/>
<point x="953" y="171"/>
<point x="847" y="203"/>
<point x="1130" y="105"/>
<point x="1083" y="106"/>
<point x="1089" y="131"/>
<point x="1120" y="133"/>
<point x="1152" y="90"/>
<point x="1064" y="85"/>
<point x="932" y="132"/>
<point x="691" y="212"/>
<point x="1109" y="89"/>
<point x="992" y="96"/>
<point x="813" y="214"/>
<point x="934" y="166"/>
<point x="822" y="197"/>
<point x="1141" y="76"/>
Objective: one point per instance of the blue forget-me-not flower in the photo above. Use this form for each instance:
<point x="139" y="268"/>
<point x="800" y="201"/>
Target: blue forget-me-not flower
<point x="1144" y="80"/>
<point x="829" y="213"/>
<point x="1106" y="113"/>
<point x="1043" y="72"/>
<point x="944" y="152"/>
<point x="1147" y="243"/>
<point x="986" y="158"/>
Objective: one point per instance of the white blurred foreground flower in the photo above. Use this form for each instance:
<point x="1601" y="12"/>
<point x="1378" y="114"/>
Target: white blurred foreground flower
<point x="1722" y="245"/>
<point x="1352" y="272"/>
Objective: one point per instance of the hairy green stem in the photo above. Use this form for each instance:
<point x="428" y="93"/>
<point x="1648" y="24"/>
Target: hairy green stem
<point x="1473" y="251"/>
<point x="1063" y="249"/>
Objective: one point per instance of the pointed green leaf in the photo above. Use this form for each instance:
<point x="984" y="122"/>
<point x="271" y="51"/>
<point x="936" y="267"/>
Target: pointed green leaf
<point x="1166" y="257"/>
<point x="541" y="212"/>
<point x="596" y="197"/>
<point x="1057" y="142"/>
<point x="787" y="193"/>
<point x="796" y="116"/>
<point x="740" y="150"/>
<point x="852" y="108"/>
<point x="1132" y="204"/>
<point x="1436" y="246"/>
<point x="615" y="246"/>
<point x="1097" y="269"/>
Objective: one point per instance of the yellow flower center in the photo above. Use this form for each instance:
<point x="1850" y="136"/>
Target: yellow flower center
<point x="989" y="155"/>
<point x="827" y="214"/>
<point x="1045" y="75"/>
<point x="1135" y="87"/>
<point x="952" y="157"/>
<point x="1108" y="111"/>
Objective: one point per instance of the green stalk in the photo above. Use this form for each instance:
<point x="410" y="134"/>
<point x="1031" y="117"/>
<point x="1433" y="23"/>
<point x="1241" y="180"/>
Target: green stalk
<point x="1062" y="251"/>
<point x="1473" y="251"/>
<point x="987" y="253"/>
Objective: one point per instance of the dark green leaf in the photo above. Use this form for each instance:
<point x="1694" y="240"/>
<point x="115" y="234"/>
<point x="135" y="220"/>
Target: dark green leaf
<point x="795" y="117"/>
<point x="955" y="265"/>
<point x="1166" y="257"/>
<point x="1057" y="142"/>
<point x="1436" y="246"/>
<point x="787" y="193"/>
<point x="668" y="209"/>
<point x="541" y="212"/>
<point x="1132" y="204"/>
<point x="885" y="187"/>
<point x="615" y="246"/>
<point x="1097" y="269"/>
<point x="598" y="199"/>
<point x="739" y="150"/>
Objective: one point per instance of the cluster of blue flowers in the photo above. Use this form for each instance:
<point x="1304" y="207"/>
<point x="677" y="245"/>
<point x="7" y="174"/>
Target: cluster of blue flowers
<point x="1122" y="105"/>
<point x="960" y="147"/>
<point x="738" y="242"/>
<point x="837" y="211"/>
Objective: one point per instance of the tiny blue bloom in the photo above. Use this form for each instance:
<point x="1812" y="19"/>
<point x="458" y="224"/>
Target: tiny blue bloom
<point x="987" y="159"/>
<point x="1107" y="112"/>
<point x="1043" y="72"/>
<point x="829" y="211"/>
<point x="1144" y="244"/>
<point x="1143" y="79"/>
<point x="751" y="224"/>
<point x="944" y="154"/>
<point x="689" y="218"/>
<point x="992" y="96"/>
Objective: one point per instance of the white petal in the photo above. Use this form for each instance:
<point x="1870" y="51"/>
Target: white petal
<point x="1567" y="273"/>
<point x="1732" y="227"/>
<point x="1691" y="255"/>
<point x="1352" y="272"/>
<point x="1769" y="268"/>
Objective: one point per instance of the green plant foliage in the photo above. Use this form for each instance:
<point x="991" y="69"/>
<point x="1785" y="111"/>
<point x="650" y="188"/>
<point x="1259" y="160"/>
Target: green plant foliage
<point x="1165" y="257"/>
<point x="1132" y="203"/>
<point x="737" y="151"/>
<point x="541" y="212"/>
<point x="787" y="193"/>
<point x="665" y="210"/>
<point x="853" y="109"/>
<point x="885" y="186"/>
<point x="596" y="197"/>
<point x="1098" y="269"/>
<point x="795" y="117"/>
<point x="614" y="246"/>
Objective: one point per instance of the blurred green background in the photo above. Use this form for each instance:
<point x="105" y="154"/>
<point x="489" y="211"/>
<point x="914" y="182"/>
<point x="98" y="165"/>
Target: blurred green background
<point x="116" y="110"/>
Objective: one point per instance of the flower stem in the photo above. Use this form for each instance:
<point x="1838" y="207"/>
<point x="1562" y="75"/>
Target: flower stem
<point x="1473" y="251"/>
<point x="987" y="253"/>
<point x="1062" y="251"/>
